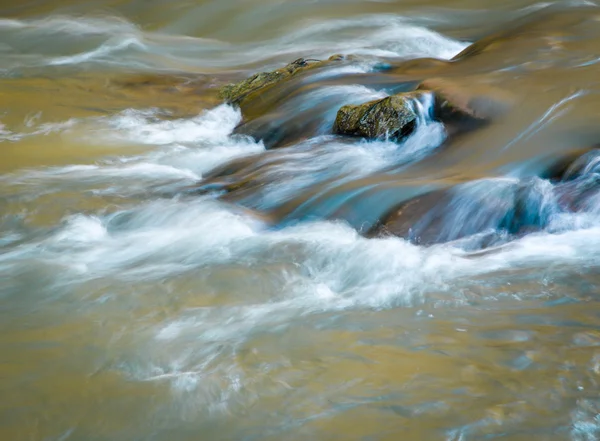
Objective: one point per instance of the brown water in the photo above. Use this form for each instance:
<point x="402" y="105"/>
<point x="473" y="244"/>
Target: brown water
<point x="152" y="289"/>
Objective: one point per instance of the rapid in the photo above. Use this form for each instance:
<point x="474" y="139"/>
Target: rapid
<point x="174" y="268"/>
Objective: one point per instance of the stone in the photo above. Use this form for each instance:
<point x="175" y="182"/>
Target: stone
<point x="458" y="105"/>
<point x="492" y="209"/>
<point x="244" y="90"/>
<point x="401" y="220"/>
<point x="393" y="117"/>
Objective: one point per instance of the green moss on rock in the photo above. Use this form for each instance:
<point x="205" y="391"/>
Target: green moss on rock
<point x="236" y="93"/>
<point x="393" y="117"/>
<point x="243" y="92"/>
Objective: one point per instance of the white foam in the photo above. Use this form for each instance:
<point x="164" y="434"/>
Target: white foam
<point x="336" y="270"/>
<point x="188" y="148"/>
<point x="383" y="35"/>
<point x="142" y="126"/>
<point x="429" y="133"/>
<point x="356" y="270"/>
<point x="81" y="229"/>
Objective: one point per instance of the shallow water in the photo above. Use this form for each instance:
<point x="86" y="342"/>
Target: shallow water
<point x="165" y="277"/>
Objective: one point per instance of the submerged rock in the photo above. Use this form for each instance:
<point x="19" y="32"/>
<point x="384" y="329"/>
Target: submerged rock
<point x="484" y="211"/>
<point x="401" y="220"/>
<point x="467" y="105"/>
<point x="393" y="117"/>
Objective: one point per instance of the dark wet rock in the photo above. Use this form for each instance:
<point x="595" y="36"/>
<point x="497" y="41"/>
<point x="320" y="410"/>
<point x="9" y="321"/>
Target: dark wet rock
<point x="465" y="106"/>
<point x="243" y="180"/>
<point x="393" y="117"/>
<point x="275" y="133"/>
<point x="400" y="221"/>
<point x="234" y="166"/>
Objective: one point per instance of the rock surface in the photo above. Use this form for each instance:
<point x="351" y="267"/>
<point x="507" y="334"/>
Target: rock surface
<point x="400" y="222"/>
<point x="456" y="101"/>
<point x="246" y="90"/>
<point x="393" y="117"/>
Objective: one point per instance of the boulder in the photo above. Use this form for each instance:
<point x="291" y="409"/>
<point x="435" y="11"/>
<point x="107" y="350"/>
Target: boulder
<point x="495" y="209"/>
<point x="402" y="220"/>
<point x="393" y="117"/>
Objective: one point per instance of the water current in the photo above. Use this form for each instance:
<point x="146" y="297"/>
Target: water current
<point x="174" y="269"/>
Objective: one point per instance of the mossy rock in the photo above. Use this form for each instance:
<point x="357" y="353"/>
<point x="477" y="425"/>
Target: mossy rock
<point x="244" y="91"/>
<point x="393" y="117"/>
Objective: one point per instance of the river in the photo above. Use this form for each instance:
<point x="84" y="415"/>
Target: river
<point x="166" y="276"/>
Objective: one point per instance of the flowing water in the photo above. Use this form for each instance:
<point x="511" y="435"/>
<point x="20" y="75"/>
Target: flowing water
<point x="165" y="276"/>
